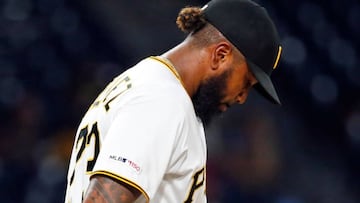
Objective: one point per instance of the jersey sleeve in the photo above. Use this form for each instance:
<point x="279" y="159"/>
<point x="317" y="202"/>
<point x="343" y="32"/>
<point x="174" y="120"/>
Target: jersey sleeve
<point x="140" y="141"/>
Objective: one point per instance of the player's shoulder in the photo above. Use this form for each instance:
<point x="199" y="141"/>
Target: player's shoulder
<point x="151" y="83"/>
<point x="156" y="78"/>
<point x="151" y="70"/>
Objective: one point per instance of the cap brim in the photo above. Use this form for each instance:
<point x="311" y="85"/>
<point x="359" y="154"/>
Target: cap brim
<point x="264" y="86"/>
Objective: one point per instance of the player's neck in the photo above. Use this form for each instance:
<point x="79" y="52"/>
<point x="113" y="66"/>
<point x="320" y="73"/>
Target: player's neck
<point x="188" y="63"/>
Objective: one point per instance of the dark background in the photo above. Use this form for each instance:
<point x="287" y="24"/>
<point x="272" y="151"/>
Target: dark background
<point x="57" y="55"/>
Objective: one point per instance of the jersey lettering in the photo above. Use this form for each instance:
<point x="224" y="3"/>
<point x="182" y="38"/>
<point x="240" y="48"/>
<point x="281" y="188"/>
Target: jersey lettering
<point x="86" y="138"/>
<point x="115" y="89"/>
<point x="196" y="184"/>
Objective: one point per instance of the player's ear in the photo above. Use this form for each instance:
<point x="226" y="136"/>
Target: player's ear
<point x="221" y="54"/>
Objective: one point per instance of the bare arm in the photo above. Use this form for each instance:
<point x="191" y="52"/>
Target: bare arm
<point x="103" y="189"/>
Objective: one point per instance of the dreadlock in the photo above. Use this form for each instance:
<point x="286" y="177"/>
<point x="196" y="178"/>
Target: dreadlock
<point x="191" y="21"/>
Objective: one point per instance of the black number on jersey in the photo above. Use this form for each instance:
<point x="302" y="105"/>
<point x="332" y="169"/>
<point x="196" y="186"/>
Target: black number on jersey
<point x="85" y="137"/>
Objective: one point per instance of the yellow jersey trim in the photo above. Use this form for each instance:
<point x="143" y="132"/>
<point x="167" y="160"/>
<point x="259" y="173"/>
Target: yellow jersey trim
<point x="169" y="65"/>
<point x="277" y="57"/>
<point x="122" y="179"/>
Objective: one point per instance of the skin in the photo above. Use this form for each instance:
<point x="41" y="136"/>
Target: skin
<point x="211" y="61"/>
<point x="103" y="189"/>
<point x="194" y="64"/>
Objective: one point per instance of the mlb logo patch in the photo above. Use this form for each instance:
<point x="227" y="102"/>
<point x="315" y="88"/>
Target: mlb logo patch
<point x="135" y="167"/>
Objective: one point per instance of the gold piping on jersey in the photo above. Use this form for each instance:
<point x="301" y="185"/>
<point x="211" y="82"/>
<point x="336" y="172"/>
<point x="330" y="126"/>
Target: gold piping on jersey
<point x="169" y="65"/>
<point x="277" y="57"/>
<point x="124" y="180"/>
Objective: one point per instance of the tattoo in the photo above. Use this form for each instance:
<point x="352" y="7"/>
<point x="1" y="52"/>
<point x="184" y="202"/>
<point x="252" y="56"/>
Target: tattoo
<point x="103" y="189"/>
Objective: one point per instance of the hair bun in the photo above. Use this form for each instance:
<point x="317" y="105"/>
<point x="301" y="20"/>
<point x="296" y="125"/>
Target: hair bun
<point x="190" y="19"/>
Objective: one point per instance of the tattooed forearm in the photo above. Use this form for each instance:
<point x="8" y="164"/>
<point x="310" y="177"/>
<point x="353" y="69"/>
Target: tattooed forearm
<point x="103" y="189"/>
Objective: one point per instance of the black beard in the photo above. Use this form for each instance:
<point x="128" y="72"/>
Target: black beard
<point x="207" y="98"/>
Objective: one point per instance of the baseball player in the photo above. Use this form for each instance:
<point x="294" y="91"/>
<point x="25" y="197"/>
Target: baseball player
<point x="142" y="139"/>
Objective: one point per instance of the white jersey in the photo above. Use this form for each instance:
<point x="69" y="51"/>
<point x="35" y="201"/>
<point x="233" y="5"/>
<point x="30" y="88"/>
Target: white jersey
<point x="142" y="130"/>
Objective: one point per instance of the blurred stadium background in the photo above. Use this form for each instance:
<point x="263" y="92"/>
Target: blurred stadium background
<point x="57" y="55"/>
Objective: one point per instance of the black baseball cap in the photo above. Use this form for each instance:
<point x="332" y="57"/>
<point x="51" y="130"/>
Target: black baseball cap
<point x="250" y="29"/>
